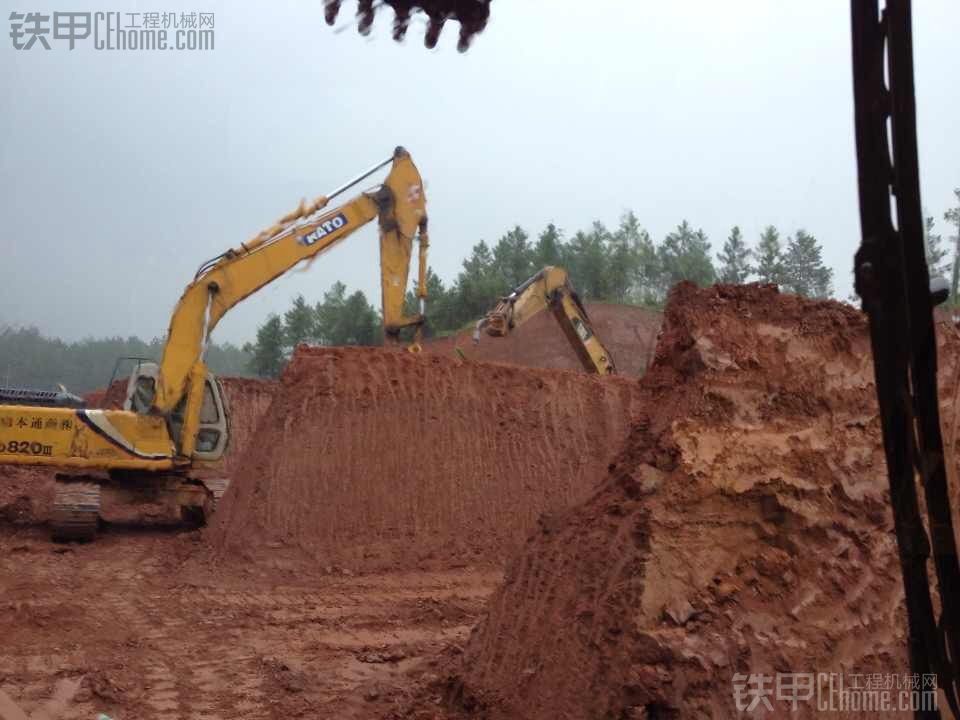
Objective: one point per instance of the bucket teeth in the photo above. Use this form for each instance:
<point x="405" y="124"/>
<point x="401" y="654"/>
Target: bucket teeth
<point x="76" y="510"/>
<point x="217" y="487"/>
<point x="471" y="15"/>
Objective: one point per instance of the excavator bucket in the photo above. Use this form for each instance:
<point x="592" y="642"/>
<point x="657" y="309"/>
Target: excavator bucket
<point x="471" y="14"/>
<point x="497" y="322"/>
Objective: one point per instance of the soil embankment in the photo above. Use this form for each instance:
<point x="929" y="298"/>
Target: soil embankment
<point x="743" y="528"/>
<point x="377" y="458"/>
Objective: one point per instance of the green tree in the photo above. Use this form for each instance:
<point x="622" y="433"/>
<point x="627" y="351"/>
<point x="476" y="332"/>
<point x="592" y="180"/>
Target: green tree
<point x="513" y="257"/>
<point x="685" y="255"/>
<point x="440" y="305"/>
<point x="586" y="258"/>
<point x="32" y="360"/>
<point x="478" y="285"/>
<point x="549" y="247"/>
<point x="267" y="354"/>
<point x="347" y="320"/>
<point x="299" y="323"/>
<point x="625" y="249"/>
<point x="734" y="259"/>
<point x="953" y="216"/>
<point x="803" y="269"/>
<point x="328" y="311"/>
<point x="359" y="322"/>
<point x="937" y="260"/>
<point x="769" y="256"/>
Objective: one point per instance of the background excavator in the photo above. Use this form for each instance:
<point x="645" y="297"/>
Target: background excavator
<point x="168" y="442"/>
<point x="893" y="282"/>
<point x="550" y="288"/>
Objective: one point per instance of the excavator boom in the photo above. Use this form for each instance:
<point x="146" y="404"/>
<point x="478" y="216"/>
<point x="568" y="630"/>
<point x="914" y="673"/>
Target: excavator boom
<point x="301" y="235"/>
<point x="551" y="288"/>
<point x="170" y="438"/>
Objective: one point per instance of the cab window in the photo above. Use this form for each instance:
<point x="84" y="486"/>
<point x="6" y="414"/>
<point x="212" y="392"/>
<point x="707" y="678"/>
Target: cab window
<point x="208" y="409"/>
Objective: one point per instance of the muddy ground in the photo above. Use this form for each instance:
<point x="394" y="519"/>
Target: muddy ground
<point x="144" y="624"/>
<point x="555" y="545"/>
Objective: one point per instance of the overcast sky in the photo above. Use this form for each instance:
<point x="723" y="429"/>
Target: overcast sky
<point x="121" y="171"/>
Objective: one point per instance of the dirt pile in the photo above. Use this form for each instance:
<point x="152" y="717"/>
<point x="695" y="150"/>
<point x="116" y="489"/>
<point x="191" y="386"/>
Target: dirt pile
<point x="374" y="458"/>
<point x="247" y="399"/>
<point x="628" y="332"/>
<point x="744" y="528"/>
<point x="108" y="398"/>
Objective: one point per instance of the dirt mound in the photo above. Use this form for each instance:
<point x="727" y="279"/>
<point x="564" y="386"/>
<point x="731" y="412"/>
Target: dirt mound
<point x="375" y="458"/>
<point x="744" y="528"/>
<point x="628" y="332"/>
<point x="110" y="398"/>
<point x="247" y="400"/>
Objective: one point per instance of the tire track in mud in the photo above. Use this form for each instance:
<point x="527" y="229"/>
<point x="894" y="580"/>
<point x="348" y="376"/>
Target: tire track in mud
<point x="376" y="459"/>
<point x="156" y="631"/>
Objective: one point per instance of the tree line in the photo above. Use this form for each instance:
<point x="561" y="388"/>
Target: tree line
<point x="30" y="359"/>
<point x="621" y="265"/>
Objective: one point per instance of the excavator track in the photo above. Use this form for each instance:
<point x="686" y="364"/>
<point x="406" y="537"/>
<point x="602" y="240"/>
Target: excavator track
<point x="76" y="510"/>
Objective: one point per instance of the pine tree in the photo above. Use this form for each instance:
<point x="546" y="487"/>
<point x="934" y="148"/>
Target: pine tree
<point x="299" y="323"/>
<point x="513" y="257"/>
<point x="359" y="322"/>
<point x="267" y="353"/>
<point x="769" y="256"/>
<point x="328" y="313"/>
<point x="478" y="285"/>
<point x="803" y="269"/>
<point x="936" y="253"/>
<point x="548" y="249"/>
<point x="647" y="277"/>
<point x="734" y="259"/>
<point x="624" y="257"/>
<point x="953" y="216"/>
<point x="685" y="255"/>
<point x="440" y="304"/>
<point x="586" y="258"/>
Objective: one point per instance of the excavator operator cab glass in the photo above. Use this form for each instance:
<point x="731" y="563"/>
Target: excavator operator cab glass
<point x="212" y="432"/>
<point x="144" y="390"/>
<point x="142" y="387"/>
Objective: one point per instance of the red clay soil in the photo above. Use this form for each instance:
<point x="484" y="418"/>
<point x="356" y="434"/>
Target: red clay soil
<point x="247" y="399"/>
<point x="140" y="624"/>
<point x="111" y="398"/>
<point x="371" y="458"/>
<point x="743" y="528"/>
<point x="629" y="333"/>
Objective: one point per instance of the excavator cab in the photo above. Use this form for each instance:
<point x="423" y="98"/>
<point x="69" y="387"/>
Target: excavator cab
<point x="212" y="428"/>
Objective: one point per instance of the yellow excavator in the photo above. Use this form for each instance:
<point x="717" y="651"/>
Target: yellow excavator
<point x="550" y="288"/>
<point x="167" y="443"/>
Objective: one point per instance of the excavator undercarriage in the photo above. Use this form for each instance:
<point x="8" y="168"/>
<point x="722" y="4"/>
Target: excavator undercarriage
<point x="170" y="498"/>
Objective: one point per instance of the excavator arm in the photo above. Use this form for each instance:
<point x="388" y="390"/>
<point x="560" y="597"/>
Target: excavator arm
<point x="551" y="288"/>
<point x="299" y="236"/>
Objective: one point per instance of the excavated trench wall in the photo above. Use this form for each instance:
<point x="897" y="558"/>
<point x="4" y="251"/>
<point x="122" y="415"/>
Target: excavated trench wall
<point x="743" y="528"/>
<point x="372" y="458"/>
